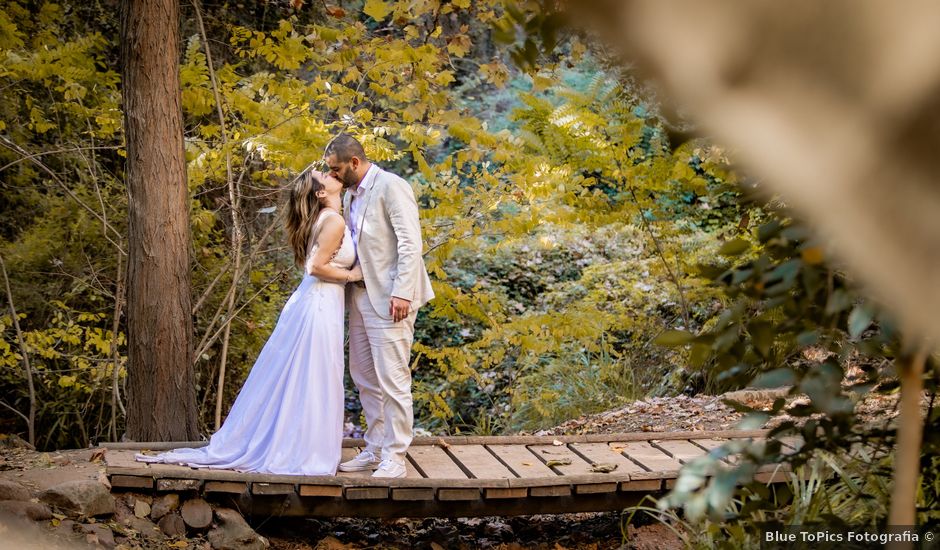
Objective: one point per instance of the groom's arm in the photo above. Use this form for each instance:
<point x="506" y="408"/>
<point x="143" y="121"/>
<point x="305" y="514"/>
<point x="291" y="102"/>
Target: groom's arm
<point x="402" y="211"/>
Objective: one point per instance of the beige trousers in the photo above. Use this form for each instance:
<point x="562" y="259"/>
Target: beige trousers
<point x="379" y="363"/>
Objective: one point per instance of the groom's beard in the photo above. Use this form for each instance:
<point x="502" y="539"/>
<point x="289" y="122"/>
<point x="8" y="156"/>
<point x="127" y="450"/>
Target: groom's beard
<point x="349" y="178"/>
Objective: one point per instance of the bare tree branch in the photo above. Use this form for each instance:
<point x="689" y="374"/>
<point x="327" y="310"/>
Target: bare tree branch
<point x="31" y="420"/>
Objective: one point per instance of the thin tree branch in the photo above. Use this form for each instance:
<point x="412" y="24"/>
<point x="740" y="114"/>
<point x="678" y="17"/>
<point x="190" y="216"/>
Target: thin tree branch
<point x="31" y="420"/>
<point x="19" y="150"/>
<point x="32" y="156"/>
<point x="234" y="199"/>
<point x="18" y="413"/>
<point x="211" y="340"/>
<point x="116" y="367"/>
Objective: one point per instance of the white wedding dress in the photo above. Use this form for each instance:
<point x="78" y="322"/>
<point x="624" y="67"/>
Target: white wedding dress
<point x="288" y="417"/>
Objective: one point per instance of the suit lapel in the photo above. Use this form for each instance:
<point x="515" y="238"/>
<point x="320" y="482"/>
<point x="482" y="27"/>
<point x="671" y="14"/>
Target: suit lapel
<point x="366" y="198"/>
<point x="347" y="198"/>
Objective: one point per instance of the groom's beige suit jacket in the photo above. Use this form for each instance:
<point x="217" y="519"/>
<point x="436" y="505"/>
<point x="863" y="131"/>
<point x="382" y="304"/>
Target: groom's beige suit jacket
<point x="388" y="242"/>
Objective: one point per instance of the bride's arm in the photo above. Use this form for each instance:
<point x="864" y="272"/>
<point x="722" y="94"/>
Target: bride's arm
<point x="328" y="242"/>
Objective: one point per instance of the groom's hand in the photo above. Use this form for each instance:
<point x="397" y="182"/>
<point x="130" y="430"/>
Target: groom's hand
<point x="399" y="308"/>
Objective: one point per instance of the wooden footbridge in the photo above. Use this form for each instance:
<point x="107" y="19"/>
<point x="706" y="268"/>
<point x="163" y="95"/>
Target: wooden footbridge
<point x="453" y="476"/>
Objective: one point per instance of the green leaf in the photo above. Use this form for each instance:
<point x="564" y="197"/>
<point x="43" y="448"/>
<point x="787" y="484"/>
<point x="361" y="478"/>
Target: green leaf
<point x="734" y="247"/>
<point x="768" y="230"/>
<point x="860" y="319"/>
<point x="762" y="336"/>
<point x="838" y="301"/>
<point x="377" y="9"/>
<point x="752" y="421"/>
<point x="699" y="354"/>
<point x="807" y="338"/>
<point x="672" y="338"/>
<point x="783" y="376"/>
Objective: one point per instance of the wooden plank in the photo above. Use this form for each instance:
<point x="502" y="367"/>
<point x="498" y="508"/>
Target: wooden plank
<point x="478" y="440"/>
<point x="590" y="488"/>
<point x="366" y="493"/>
<point x="566" y="480"/>
<point x="522" y="462"/>
<point x="481" y="463"/>
<point x="643" y="485"/>
<point x="778" y="476"/>
<point x="272" y="488"/>
<point x="150" y="445"/>
<point x="234" y="487"/>
<point x="550" y="491"/>
<point x="519" y="492"/>
<point x="412" y="493"/>
<point x="458" y="494"/>
<point x="348" y="453"/>
<point x="411" y="472"/>
<point x="169" y="484"/>
<point x="434" y="463"/>
<point x="578" y="465"/>
<point x="712" y="444"/>
<point x="602" y="453"/>
<point x="657" y="463"/>
<point x="121" y="459"/>
<point x="683" y="451"/>
<point x="131" y="482"/>
<point x="591" y="438"/>
<point x="320" y="491"/>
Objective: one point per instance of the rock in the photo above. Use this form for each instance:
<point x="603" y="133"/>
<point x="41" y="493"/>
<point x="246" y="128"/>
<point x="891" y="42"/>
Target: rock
<point x="233" y="533"/>
<point x="99" y="534"/>
<point x="172" y="525"/>
<point x="26" y="509"/>
<point x="141" y="509"/>
<point x="132" y="498"/>
<point x="146" y="528"/>
<point x="85" y="497"/>
<point x="498" y="530"/>
<point x="60" y="460"/>
<point x="65" y="529"/>
<point x="163" y="505"/>
<point x="13" y="441"/>
<point x="197" y="513"/>
<point x="122" y="511"/>
<point x="11" y="490"/>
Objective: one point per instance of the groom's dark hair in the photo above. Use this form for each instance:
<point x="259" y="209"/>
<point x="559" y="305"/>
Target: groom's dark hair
<point x="345" y="147"/>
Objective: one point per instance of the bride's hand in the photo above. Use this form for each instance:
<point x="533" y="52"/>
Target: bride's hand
<point x="355" y="274"/>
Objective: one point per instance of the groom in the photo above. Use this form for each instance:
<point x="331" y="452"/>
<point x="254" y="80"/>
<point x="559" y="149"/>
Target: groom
<point x="382" y="216"/>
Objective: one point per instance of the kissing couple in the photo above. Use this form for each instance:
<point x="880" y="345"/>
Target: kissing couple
<point x="364" y="257"/>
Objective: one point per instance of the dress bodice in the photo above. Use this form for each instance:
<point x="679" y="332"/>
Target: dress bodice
<point x="344" y="258"/>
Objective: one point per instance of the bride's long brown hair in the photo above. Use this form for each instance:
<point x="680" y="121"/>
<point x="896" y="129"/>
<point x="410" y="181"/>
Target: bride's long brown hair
<point x="303" y="208"/>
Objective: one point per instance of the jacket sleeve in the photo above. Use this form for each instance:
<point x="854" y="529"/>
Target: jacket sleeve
<point x="402" y="211"/>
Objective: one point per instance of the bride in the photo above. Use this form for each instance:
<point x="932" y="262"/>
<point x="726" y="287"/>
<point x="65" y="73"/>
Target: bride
<point x="288" y="417"/>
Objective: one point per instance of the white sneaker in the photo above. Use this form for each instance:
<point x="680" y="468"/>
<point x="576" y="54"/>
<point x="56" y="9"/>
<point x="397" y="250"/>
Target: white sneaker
<point x="390" y="468"/>
<point x="366" y="460"/>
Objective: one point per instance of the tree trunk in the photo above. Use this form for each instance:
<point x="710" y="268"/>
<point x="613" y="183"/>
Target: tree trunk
<point x="161" y="398"/>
